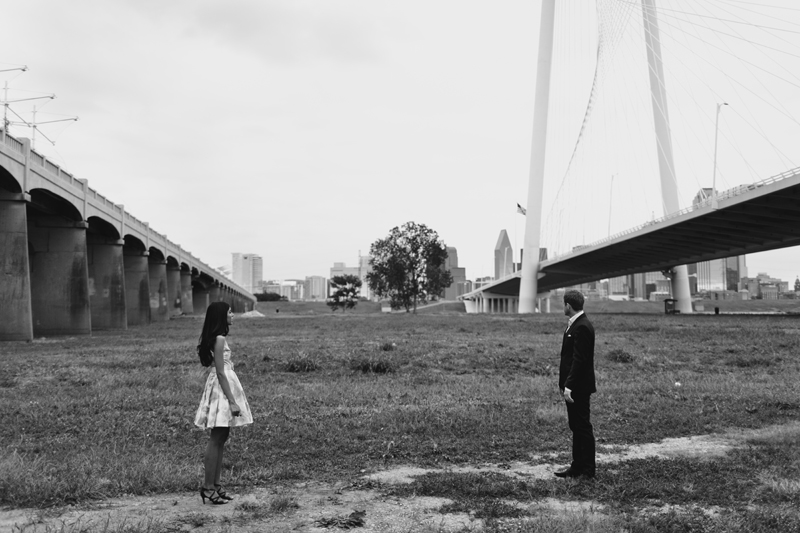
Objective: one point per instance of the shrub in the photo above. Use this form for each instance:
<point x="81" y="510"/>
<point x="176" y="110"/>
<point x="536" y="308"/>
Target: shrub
<point x="268" y="297"/>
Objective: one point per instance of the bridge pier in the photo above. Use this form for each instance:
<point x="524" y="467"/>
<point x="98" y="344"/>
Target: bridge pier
<point x="227" y="296"/>
<point x="187" y="305"/>
<point x="137" y="286"/>
<point x="16" y="315"/>
<point x="201" y="299"/>
<point x="107" y="282"/>
<point x="59" y="276"/>
<point x="680" y="289"/>
<point x="214" y="294"/>
<point x="174" y="299"/>
<point x="157" y="269"/>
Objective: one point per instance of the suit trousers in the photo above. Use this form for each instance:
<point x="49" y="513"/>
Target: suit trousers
<point x="583" y="445"/>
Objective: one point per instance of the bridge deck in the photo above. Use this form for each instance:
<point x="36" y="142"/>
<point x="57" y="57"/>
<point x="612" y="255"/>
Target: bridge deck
<point x="763" y="216"/>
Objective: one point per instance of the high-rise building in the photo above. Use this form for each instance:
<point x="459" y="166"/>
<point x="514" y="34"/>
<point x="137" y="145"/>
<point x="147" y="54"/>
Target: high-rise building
<point x="721" y="274"/>
<point x="459" y="285"/>
<point x="248" y="270"/>
<point x="315" y="288"/>
<point x="503" y="256"/>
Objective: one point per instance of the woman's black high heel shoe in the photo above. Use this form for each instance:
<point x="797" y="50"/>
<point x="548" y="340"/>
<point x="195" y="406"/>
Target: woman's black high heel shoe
<point x="221" y="493"/>
<point x="214" y="497"/>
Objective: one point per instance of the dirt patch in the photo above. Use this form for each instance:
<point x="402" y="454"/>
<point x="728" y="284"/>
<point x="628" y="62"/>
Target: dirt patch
<point x="542" y="467"/>
<point x="298" y="508"/>
<point x="250" y="512"/>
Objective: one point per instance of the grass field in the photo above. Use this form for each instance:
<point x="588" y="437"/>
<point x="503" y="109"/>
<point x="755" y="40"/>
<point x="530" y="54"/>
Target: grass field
<point x="337" y="395"/>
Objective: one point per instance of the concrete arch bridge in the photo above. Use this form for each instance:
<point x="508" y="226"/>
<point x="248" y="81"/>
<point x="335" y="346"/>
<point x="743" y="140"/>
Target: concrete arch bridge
<point x="72" y="261"/>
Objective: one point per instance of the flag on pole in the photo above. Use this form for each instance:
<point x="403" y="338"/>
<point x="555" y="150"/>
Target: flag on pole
<point x="521" y="210"/>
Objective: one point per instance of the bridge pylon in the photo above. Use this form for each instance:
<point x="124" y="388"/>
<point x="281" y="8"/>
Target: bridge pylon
<point x="666" y="161"/>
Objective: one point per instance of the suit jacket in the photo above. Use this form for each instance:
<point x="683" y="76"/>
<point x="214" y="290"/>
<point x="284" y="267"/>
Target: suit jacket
<point x="576" y="371"/>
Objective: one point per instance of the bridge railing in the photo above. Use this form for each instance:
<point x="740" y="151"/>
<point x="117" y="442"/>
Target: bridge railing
<point x="729" y="193"/>
<point x="14" y="144"/>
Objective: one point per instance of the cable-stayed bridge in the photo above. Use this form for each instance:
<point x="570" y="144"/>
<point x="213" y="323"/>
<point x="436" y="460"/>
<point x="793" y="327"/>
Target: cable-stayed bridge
<point x="639" y="105"/>
<point x="747" y="219"/>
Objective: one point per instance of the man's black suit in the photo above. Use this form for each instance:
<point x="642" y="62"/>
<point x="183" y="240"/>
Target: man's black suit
<point x="576" y="373"/>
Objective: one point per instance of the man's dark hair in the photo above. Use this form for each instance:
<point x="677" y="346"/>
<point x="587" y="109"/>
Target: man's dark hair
<point x="574" y="299"/>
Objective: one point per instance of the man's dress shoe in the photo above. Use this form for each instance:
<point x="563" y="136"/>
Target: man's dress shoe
<point x="571" y="472"/>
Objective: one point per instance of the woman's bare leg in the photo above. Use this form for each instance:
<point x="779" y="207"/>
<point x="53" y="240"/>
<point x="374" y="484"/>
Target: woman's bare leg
<point x="213" y="457"/>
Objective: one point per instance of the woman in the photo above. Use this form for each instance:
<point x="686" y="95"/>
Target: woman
<point x="223" y="405"/>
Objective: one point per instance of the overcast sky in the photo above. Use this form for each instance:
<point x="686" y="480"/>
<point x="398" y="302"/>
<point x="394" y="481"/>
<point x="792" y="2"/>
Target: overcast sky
<point x="299" y="130"/>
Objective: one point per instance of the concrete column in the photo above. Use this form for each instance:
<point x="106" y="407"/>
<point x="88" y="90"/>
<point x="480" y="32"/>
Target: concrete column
<point x="187" y="306"/>
<point x="159" y="311"/>
<point x="214" y="294"/>
<point x="174" y="293"/>
<point x="200" y="300"/>
<point x="225" y="296"/>
<point x="16" y="315"/>
<point x="137" y="287"/>
<point x="59" y="277"/>
<point x="107" y="283"/>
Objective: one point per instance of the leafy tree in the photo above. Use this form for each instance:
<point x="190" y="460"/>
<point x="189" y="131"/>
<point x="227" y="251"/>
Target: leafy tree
<point x="408" y="266"/>
<point x="265" y="296"/>
<point x="346" y="292"/>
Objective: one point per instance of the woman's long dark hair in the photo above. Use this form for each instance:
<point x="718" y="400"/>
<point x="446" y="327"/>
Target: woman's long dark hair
<point x="216" y="324"/>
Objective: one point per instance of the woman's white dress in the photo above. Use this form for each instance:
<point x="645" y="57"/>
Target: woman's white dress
<point x="214" y="410"/>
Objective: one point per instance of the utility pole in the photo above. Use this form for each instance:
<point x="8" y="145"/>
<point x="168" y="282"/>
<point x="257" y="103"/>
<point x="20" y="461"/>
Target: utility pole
<point x="4" y="128"/>
<point x="22" y="122"/>
<point x="35" y="126"/>
<point x="6" y="108"/>
<point x="610" y="198"/>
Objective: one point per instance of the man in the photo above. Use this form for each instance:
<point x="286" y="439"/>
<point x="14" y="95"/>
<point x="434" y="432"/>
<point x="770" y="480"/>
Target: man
<point x="576" y="381"/>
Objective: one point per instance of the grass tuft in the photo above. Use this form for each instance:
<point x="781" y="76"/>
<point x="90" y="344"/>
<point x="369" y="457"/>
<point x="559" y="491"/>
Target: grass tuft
<point x="619" y="356"/>
<point x="260" y="511"/>
<point x="302" y="363"/>
<point x="744" y="361"/>
<point x="373" y="366"/>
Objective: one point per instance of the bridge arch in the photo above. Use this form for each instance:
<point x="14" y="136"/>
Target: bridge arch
<point x="8" y="182"/>
<point x="47" y="203"/>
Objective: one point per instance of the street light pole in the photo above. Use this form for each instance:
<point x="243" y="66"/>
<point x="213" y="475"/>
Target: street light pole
<point x="714" y="204"/>
<point x="610" y="199"/>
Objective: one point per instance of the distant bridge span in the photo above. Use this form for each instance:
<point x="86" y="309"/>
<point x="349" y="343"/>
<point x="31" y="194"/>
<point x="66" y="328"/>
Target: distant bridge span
<point x="747" y="219"/>
<point x="73" y="261"/>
